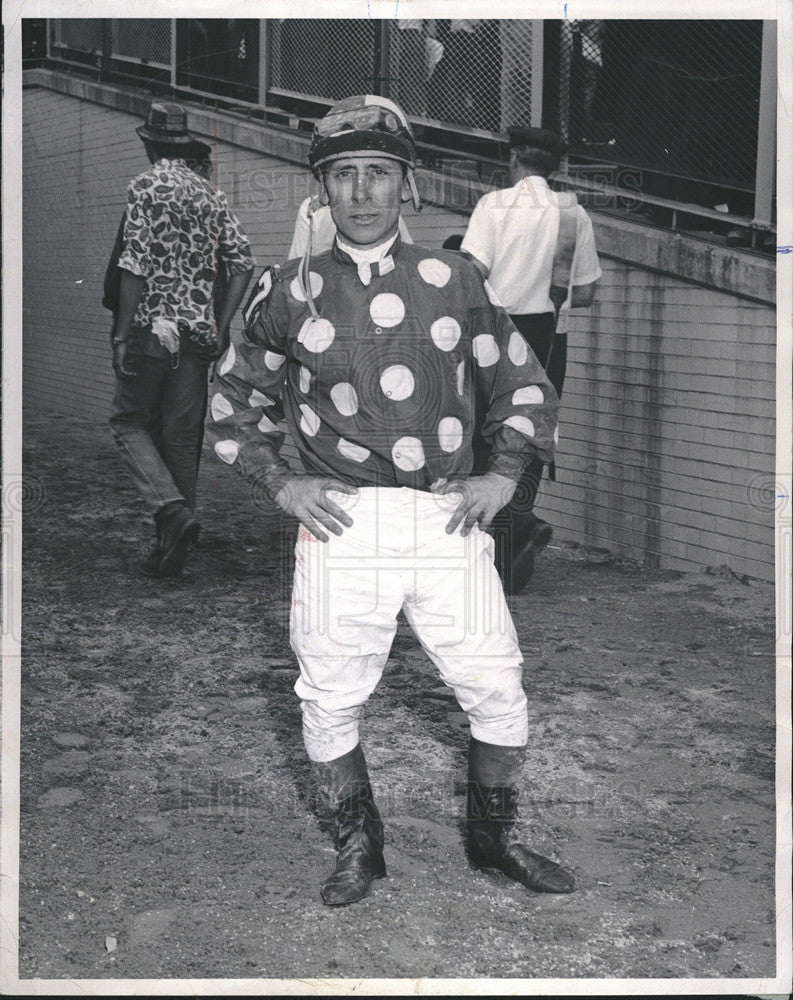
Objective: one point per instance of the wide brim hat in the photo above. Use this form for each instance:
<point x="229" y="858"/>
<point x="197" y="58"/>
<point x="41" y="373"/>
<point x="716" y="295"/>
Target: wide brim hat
<point x="536" y="138"/>
<point x="166" y="124"/>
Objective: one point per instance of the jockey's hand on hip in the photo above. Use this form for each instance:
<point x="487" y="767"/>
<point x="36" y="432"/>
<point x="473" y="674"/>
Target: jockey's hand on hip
<point x="307" y="499"/>
<point x="482" y="498"/>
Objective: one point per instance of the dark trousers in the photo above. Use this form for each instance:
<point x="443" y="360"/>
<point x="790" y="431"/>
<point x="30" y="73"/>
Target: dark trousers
<point x="551" y="351"/>
<point x="157" y="420"/>
<point x="512" y="523"/>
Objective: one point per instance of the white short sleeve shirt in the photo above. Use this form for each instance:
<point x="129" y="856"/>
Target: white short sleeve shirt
<point x="513" y="232"/>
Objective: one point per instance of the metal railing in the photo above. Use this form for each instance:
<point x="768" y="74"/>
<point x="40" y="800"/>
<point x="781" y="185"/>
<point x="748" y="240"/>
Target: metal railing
<point x="679" y="104"/>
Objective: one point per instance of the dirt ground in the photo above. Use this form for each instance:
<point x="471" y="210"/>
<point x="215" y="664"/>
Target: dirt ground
<point x="165" y="830"/>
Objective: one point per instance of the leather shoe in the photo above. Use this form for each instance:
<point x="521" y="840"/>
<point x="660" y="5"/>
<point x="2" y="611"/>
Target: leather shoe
<point x="151" y="564"/>
<point x="178" y="529"/>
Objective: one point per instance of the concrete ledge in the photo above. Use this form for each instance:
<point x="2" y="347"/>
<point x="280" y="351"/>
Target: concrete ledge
<point x="744" y="275"/>
<point x="710" y="264"/>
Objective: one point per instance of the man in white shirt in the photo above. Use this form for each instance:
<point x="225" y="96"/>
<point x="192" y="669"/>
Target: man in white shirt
<point x="516" y="235"/>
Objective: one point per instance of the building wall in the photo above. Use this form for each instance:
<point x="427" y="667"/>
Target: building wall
<point x="668" y="414"/>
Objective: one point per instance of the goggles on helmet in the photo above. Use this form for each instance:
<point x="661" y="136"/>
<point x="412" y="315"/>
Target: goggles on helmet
<point x="363" y="123"/>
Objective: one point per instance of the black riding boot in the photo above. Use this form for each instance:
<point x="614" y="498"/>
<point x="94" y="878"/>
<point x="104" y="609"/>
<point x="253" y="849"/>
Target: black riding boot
<point x="492" y="811"/>
<point x="344" y="788"/>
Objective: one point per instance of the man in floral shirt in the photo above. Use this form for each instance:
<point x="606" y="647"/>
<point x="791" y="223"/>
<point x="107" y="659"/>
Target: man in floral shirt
<point x="375" y="350"/>
<point x="178" y="230"/>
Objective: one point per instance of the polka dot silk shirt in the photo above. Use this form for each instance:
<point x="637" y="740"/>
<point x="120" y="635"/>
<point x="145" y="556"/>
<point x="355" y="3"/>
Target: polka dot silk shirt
<point x="380" y="389"/>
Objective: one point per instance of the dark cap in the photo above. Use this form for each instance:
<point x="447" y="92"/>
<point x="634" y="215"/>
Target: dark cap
<point x="166" y="123"/>
<point x="536" y="138"/>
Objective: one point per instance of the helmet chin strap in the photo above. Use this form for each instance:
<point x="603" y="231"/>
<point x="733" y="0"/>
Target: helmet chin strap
<point x="414" y="191"/>
<point x="304" y="270"/>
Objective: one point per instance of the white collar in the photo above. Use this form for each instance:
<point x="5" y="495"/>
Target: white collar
<point x="366" y="255"/>
<point x="535" y="180"/>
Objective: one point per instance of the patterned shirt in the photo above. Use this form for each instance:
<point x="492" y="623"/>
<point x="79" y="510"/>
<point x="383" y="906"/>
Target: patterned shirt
<point x="177" y="226"/>
<point x="380" y="389"/>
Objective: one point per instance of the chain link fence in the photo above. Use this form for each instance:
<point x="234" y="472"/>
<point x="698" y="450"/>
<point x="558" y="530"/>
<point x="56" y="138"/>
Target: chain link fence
<point x="471" y="73"/>
<point x="146" y="41"/>
<point x="482" y="77"/>
<point x="677" y="99"/>
<point x="323" y="58"/>
<point x="79" y="40"/>
<point x="219" y="56"/>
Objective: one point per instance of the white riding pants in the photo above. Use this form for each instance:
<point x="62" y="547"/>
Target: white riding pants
<point x="348" y="591"/>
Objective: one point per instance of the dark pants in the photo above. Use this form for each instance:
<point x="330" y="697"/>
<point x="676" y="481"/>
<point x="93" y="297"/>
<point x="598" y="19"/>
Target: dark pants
<point x="158" y="420"/>
<point x="551" y="351"/>
<point x="514" y="521"/>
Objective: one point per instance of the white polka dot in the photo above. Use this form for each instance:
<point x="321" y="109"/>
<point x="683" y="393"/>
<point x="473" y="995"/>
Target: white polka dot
<point x="518" y="349"/>
<point x="387" y="309"/>
<point x="522" y="424"/>
<point x="408" y="454"/>
<point x="353" y="451"/>
<point x="528" y="394"/>
<point x="266" y="426"/>
<point x="220" y="407"/>
<point x="273" y="360"/>
<point x="435" y="272"/>
<point x="227" y="361"/>
<point x="257" y="398"/>
<point x="445" y="333"/>
<point x="461" y="378"/>
<point x="450" y="433"/>
<point x="397" y="382"/>
<point x="556" y="434"/>
<point x="491" y="294"/>
<point x="227" y="451"/>
<point x="316" y="286"/>
<point x="486" y="350"/>
<point x="345" y="399"/>
<point x="309" y="422"/>
<point x="305" y="379"/>
<point x="316" y="334"/>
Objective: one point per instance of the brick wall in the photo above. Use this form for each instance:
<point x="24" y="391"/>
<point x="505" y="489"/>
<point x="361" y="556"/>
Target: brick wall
<point x="667" y="436"/>
<point x="668" y="415"/>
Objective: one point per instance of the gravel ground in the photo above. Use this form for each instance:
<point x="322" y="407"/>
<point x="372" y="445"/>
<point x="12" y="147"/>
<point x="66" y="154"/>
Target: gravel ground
<point x="165" y="829"/>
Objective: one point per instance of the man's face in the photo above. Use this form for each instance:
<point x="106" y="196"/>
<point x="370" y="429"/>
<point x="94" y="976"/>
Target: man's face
<point x="365" y="197"/>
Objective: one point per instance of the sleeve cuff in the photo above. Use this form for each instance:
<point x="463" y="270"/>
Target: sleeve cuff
<point x="134" y="266"/>
<point x="506" y="465"/>
<point x="273" y="477"/>
<point x="511" y="453"/>
<point x="477" y="252"/>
